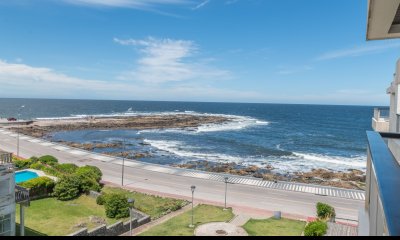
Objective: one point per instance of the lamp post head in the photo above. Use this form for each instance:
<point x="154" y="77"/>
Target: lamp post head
<point x="193" y="188"/>
<point x="131" y="201"/>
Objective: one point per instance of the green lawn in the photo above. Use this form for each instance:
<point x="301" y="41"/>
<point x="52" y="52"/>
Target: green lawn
<point x="53" y="217"/>
<point x="64" y="215"/>
<point x="179" y="225"/>
<point x="274" y="227"/>
<point x="153" y="206"/>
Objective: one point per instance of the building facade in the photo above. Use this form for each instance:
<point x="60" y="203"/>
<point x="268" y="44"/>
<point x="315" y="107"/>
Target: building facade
<point x="7" y="195"/>
<point x="381" y="215"/>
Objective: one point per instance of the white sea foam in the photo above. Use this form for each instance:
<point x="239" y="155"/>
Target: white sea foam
<point x="295" y="162"/>
<point x="176" y="148"/>
<point x="357" y="162"/>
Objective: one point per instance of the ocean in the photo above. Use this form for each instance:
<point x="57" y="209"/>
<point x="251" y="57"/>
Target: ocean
<point x="289" y="137"/>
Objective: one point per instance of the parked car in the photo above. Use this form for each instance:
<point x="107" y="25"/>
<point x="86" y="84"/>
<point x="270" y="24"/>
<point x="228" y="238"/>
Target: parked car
<point x="11" y="119"/>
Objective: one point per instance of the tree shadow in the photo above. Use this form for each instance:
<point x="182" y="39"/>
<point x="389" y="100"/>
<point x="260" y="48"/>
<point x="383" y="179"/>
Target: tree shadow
<point x="28" y="231"/>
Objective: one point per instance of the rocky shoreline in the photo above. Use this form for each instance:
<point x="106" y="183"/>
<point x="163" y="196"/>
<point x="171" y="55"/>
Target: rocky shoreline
<point x="352" y="179"/>
<point x="43" y="128"/>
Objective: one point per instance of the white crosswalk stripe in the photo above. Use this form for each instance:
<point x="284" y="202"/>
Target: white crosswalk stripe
<point x="61" y="148"/>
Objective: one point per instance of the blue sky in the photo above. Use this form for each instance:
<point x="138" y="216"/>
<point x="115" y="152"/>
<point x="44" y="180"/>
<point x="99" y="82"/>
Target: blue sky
<point x="278" y="51"/>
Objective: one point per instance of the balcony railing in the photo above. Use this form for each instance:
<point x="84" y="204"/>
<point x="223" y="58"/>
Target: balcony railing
<point x="5" y="158"/>
<point x="383" y="185"/>
<point x="22" y="195"/>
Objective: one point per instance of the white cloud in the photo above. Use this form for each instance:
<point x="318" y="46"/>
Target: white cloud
<point x="358" y="51"/>
<point x="22" y="80"/>
<point x="167" y="60"/>
<point x="202" y="4"/>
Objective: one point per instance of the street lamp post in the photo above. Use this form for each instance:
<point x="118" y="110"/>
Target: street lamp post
<point x="192" y="188"/>
<point x="131" y="202"/>
<point x="17" y="142"/>
<point x="226" y="189"/>
<point x="123" y="162"/>
<point x="19" y="114"/>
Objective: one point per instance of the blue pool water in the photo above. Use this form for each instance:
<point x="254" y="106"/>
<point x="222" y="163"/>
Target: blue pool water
<point x="25" y="176"/>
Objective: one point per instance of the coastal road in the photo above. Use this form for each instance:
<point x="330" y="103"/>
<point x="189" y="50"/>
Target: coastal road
<point x="248" y="198"/>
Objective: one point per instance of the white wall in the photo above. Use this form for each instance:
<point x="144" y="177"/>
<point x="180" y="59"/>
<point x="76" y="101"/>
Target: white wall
<point x="395" y="101"/>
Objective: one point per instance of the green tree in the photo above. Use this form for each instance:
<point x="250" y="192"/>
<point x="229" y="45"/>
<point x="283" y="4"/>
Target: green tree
<point x="116" y="206"/>
<point x="67" y="188"/>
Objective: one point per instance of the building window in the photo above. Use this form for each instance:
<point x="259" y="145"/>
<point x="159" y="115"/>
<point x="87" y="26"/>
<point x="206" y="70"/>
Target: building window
<point x="5" y="225"/>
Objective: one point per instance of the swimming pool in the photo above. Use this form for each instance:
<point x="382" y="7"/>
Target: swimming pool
<point x="23" y="176"/>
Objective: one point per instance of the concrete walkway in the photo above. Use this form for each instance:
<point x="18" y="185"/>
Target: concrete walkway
<point x="337" y="229"/>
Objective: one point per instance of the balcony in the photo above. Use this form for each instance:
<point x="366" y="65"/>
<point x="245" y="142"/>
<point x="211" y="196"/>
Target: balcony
<point x="382" y="210"/>
<point x="380" y="121"/>
<point x="5" y="158"/>
<point x="22" y="195"/>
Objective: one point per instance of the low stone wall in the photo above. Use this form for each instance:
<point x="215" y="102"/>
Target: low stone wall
<point x="115" y="229"/>
<point x="94" y="194"/>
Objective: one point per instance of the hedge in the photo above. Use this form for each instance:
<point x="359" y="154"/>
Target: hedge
<point x="87" y="183"/>
<point x="67" y="168"/>
<point x="325" y="211"/>
<point x="90" y="171"/>
<point x="39" y="187"/>
<point x="317" y="228"/>
<point x="22" y="164"/>
<point x="48" y="159"/>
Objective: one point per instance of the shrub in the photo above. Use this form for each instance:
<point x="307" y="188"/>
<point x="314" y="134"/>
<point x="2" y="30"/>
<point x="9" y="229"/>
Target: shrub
<point x="101" y="200"/>
<point x="67" y="168"/>
<point x="22" y="164"/>
<point x="87" y="183"/>
<point x="37" y="166"/>
<point x="51" y="171"/>
<point x="90" y="171"/>
<point x="34" y="159"/>
<point x="67" y="188"/>
<point x="325" y="211"/>
<point x="41" y="186"/>
<point x="317" y="228"/>
<point x="117" y="206"/>
<point x="49" y="160"/>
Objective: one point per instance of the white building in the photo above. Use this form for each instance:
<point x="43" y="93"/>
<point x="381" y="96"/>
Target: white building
<point x="7" y="195"/>
<point x="381" y="215"/>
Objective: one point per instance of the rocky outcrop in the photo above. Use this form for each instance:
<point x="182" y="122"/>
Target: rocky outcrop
<point x="43" y="128"/>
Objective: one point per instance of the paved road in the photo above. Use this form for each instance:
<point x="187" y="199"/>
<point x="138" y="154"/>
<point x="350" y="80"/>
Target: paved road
<point x="207" y="190"/>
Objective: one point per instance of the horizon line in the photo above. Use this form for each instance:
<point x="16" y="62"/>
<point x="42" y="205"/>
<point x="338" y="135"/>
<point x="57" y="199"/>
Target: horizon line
<point x="182" y="101"/>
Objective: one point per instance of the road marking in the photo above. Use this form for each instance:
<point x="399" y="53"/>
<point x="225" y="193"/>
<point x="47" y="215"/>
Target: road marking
<point x="61" y="148"/>
<point x="35" y="141"/>
<point x="46" y="144"/>
<point x="77" y="152"/>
